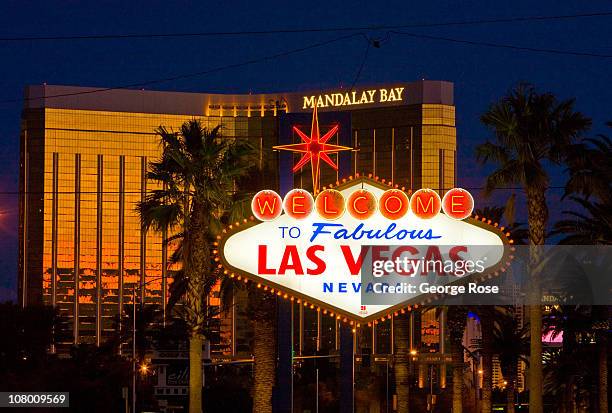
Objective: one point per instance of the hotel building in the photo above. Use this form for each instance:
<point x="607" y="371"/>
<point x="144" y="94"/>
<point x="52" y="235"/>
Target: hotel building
<point x="84" y="156"/>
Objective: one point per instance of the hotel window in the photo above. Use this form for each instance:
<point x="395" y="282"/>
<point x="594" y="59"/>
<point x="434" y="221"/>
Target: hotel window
<point x="383" y="337"/>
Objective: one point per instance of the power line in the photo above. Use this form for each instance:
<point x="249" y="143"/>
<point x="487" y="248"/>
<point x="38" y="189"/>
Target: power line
<point x="502" y="46"/>
<point x="313" y="46"/>
<point x="472" y="22"/>
<point x="337" y="39"/>
<point x="363" y="62"/>
<point x="195" y="74"/>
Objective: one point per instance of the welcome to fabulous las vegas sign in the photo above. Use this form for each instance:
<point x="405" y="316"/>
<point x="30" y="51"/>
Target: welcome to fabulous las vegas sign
<point x="312" y="250"/>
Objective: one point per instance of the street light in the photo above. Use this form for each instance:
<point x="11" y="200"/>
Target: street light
<point x="139" y="286"/>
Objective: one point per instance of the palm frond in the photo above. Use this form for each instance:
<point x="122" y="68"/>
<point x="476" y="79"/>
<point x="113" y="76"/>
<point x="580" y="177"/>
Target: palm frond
<point x="489" y="151"/>
<point x="508" y="174"/>
<point x="529" y="129"/>
<point x="590" y="169"/>
<point x="154" y="213"/>
<point x="178" y="288"/>
<point x="197" y="172"/>
<point x="591" y="225"/>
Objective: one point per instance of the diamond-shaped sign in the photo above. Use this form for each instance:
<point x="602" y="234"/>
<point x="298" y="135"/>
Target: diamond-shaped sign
<point x="316" y="260"/>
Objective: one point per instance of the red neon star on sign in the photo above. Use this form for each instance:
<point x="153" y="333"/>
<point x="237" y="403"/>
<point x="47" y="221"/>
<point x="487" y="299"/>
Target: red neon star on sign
<point x="314" y="149"/>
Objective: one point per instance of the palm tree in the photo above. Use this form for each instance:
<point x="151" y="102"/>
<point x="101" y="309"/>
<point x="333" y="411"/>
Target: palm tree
<point x="602" y="329"/>
<point x="488" y="314"/>
<point x="590" y="187"/>
<point x="197" y="173"/>
<point x="568" y="322"/>
<point x="570" y="378"/>
<point x="455" y="323"/>
<point x="401" y="327"/>
<point x="517" y="230"/>
<point x="263" y="309"/>
<point x="510" y="344"/>
<point x="147" y="318"/>
<point x="590" y="181"/>
<point x="530" y="129"/>
<point x="582" y="362"/>
<point x="592" y="226"/>
<point x="590" y="168"/>
<point x="261" y="306"/>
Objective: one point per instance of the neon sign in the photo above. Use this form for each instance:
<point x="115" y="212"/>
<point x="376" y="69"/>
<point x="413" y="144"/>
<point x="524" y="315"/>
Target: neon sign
<point x="310" y="248"/>
<point x="314" y="148"/>
<point x="392" y="204"/>
<point x="352" y="98"/>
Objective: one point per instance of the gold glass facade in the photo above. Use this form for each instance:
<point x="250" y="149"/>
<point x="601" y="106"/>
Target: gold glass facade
<point x="413" y="146"/>
<point x="83" y="169"/>
<point x="94" y="255"/>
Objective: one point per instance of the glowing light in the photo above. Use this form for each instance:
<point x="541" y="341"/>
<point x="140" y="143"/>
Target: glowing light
<point x="330" y="204"/>
<point x="425" y="203"/>
<point x="361" y="204"/>
<point x="314" y="149"/>
<point x="458" y="204"/>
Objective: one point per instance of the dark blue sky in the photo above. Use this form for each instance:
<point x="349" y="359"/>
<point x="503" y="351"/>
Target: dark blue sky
<point x="480" y="74"/>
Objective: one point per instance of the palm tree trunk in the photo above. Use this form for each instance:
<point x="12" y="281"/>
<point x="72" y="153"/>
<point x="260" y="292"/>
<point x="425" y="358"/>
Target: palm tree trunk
<point x="456" y="325"/>
<point x="563" y="408"/>
<point x="457" y="357"/>
<point x="264" y="367"/>
<point x="535" y="378"/>
<point x="197" y="267"/>
<point x="263" y="307"/>
<point x="401" y="328"/>
<point x="570" y="400"/>
<point x="486" y="327"/>
<point x="538" y="216"/>
<point x="603" y="375"/>
<point x="195" y="373"/>
<point x="510" y="395"/>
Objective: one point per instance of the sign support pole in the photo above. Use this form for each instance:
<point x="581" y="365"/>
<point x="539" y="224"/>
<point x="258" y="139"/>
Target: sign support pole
<point x="347" y="369"/>
<point x="283" y="396"/>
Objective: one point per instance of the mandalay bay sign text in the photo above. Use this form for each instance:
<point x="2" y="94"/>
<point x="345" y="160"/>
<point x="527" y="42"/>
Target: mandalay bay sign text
<point x="354" y="98"/>
<point x="313" y="249"/>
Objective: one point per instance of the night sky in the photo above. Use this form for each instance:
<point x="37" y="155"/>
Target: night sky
<point x="480" y="74"/>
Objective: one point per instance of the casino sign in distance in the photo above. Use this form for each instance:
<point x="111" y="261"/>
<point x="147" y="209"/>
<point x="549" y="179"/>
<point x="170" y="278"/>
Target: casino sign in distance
<point x="298" y="246"/>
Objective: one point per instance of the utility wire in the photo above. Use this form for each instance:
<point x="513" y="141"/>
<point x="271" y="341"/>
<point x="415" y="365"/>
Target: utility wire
<point x="501" y="45"/>
<point x="195" y="74"/>
<point x="307" y="30"/>
<point x="363" y="62"/>
<point x="371" y="42"/>
<point x="313" y="46"/>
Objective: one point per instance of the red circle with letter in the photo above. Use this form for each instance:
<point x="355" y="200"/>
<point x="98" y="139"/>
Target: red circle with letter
<point x="393" y="204"/>
<point x="298" y="203"/>
<point x="330" y="204"/>
<point x="266" y="205"/>
<point x="425" y="203"/>
<point x="458" y="203"/>
<point x="361" y="204"/>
